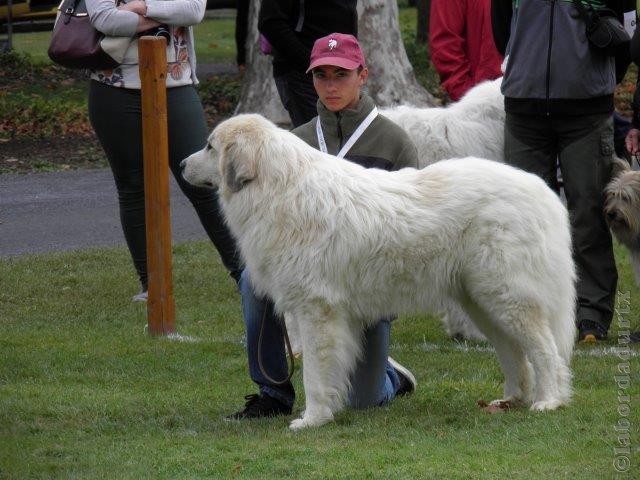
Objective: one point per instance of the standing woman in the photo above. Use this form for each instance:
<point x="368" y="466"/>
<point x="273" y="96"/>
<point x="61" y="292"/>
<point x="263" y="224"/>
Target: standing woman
<point x="115" y="114"/>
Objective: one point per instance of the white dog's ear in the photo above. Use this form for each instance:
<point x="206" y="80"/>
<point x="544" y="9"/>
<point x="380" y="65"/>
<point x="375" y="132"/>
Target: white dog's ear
<point x="238" y="167"/>
<point x="619" y="166"/>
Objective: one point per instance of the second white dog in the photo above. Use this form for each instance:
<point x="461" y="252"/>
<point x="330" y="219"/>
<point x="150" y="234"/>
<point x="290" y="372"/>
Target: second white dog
<point x="336" y="245"/>
<point x="471" y="127"/>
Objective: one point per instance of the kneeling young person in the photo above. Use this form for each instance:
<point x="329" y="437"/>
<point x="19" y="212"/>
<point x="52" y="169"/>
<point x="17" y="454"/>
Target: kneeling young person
<point x="348" y="125"/>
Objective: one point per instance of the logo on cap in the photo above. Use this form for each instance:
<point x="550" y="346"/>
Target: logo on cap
<point x="333" y="43"/>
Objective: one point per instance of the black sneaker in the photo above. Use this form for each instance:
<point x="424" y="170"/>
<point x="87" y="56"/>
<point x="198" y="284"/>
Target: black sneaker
<point x="407" y="380"/>
<point x="260" y="405"/>
<point x="635" y="337"/>
<point x="590" y="332"/>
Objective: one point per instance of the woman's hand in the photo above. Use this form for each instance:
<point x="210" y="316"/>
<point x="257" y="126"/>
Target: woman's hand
<point x="632" y="141"/>
<point x="145" y="24"/>
<point x="135" y="6"/>
<point x="139" y="7"/>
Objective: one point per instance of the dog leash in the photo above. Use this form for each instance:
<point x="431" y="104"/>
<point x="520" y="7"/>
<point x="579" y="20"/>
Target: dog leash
<point x="292" y="365"/>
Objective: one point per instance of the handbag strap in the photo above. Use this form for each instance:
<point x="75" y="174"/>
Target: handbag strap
<point x="72" y="7"/>
<point x="71" y="10"/>
<point x="588" y="19"/>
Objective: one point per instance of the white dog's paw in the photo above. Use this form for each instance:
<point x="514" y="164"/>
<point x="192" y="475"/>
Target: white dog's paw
<point x="298" y="424"/>
<point x="309" y="421"/>
<point x="544" y="405"/>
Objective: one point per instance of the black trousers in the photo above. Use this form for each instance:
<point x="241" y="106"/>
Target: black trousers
<point x="583" y="146"/>
<point x="116" y="116"/>
<point x="298" y="96"/>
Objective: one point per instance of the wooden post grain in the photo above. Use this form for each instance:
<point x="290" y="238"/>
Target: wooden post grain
<point x="153" y="72"/>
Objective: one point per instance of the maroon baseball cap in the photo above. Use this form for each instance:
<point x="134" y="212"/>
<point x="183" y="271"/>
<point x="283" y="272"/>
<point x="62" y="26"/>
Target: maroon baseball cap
<point x="337" y="49"/>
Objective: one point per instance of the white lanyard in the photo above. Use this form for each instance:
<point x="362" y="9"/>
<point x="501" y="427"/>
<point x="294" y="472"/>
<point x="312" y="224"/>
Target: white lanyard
<point x="352" y="139"/>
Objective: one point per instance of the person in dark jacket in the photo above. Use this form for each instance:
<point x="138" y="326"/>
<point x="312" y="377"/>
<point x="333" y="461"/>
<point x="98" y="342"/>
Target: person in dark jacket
<point x="461" y="44"/>
<point x="349" y="126"/>
<point x="292" y="26"/>
<point x="559" y="102"/>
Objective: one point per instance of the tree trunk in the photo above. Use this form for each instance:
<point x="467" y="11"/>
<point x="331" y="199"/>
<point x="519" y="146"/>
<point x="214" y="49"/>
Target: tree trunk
<point x="422" y="30"/>
<point x="258" y="93"/>
<point x="391" y="79"/>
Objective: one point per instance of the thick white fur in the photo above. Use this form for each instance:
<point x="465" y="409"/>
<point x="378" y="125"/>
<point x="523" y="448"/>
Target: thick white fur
<point x="336" y="245"/>
<point x="473" y="126"/>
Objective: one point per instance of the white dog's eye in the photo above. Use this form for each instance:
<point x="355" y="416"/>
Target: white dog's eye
<point x="208" y="147"/>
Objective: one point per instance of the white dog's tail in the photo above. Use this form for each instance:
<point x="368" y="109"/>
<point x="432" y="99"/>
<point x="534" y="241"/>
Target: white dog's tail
<point x="560" y="285"/>
<point x="563" y="320"/>
<point x="565" y="330"/>
<point x="563" y="327"/>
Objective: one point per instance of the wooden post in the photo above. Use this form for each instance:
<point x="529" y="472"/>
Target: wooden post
<point x="153" y="72"/>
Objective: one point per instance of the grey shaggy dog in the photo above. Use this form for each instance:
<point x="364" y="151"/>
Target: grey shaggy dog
<point x="622" y="210"/>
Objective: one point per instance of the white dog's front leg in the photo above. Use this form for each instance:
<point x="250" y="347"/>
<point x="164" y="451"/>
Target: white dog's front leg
<point x="331" y="345"/>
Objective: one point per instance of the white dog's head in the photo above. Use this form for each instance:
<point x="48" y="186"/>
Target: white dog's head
<point x="231" y="158"/>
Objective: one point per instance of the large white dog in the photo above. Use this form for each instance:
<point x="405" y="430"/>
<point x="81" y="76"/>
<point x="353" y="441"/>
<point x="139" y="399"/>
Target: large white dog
<point x="471" y="127"/>
<point x="336" y="246"/>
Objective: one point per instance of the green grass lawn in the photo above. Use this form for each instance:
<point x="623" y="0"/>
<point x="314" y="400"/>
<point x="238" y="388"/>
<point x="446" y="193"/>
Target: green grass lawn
<point x="33" y="43"/>
<point x="86" y="394"/>
<point x="215" y="40"/>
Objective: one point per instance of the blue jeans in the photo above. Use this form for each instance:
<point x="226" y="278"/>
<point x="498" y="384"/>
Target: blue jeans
<point x="374" y="381"/>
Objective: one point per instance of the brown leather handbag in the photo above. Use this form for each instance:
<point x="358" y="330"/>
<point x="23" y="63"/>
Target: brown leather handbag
<point x="75" y="43"/>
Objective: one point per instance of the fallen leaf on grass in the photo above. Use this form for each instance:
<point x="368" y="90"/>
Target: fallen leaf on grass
<point x="494" y="407"/>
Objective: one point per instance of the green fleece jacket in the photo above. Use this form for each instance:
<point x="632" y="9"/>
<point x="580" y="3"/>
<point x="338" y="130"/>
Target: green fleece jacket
<point x="382" y="145"/>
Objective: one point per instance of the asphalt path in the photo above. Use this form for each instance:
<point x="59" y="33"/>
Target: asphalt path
<point x="61" y="211"/>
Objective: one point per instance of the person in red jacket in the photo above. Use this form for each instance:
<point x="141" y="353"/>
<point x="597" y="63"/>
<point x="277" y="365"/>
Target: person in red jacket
<point x="462" y="47"/>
